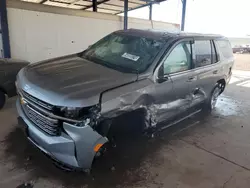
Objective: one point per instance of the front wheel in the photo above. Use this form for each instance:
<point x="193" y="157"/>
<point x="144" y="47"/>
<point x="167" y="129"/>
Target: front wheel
<point x="213" y="98"/>
<point x="2" y="99"/>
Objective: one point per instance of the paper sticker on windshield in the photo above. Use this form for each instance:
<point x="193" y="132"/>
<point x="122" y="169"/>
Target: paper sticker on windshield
<point x="130" y="56"/>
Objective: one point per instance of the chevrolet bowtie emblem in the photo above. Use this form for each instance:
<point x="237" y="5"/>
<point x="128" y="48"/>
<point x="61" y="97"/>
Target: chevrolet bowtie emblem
<point x="22" y="101"/>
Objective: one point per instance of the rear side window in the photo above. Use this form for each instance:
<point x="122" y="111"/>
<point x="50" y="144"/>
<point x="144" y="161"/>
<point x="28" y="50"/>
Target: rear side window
<point x="225" y="48"/>
<point x="203" y="53"/>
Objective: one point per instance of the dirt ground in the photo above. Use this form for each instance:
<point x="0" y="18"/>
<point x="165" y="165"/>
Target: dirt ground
<point x="201" y="152"/>
<point x="243" y="62"/>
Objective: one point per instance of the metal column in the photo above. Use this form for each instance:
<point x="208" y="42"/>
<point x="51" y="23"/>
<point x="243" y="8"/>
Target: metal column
<point x="94" y="2"/>
<point x="184" y="3"/>
<point x="4" y="30"/>
<point x="125" y="14"/>
<point x="150" y="11"/>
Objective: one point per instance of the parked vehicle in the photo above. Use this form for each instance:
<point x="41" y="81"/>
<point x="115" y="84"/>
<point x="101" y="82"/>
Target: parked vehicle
<point x="67" y="104"/>
<point x="241" y="49"/>
<point x="8" y="71"/>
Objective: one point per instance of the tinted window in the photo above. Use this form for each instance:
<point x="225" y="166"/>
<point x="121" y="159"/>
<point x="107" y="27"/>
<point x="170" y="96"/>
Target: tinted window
<point x="124" y="52"/>
<point x="214" y="54"/>
<point x="225" y="48"/>
<point x="203" y="53"/>
<point x="179" y="59"/>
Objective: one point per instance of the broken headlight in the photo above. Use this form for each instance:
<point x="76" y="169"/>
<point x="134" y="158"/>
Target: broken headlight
<point x="88" y="115"/>
<point x="71" y="112"/>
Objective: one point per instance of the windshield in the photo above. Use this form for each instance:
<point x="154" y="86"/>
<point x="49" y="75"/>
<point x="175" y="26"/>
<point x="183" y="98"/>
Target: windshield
<point x="124" y="52"/>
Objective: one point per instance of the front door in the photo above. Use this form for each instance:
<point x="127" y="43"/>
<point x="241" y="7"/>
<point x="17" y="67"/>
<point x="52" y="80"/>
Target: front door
<point x="177" y="68"/>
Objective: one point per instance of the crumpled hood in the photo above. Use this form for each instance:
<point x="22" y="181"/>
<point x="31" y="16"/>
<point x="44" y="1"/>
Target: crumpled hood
<point x="70" y="81"/>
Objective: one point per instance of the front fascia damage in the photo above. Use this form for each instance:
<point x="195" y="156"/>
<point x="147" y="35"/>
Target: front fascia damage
<point x="138" y="95"/>
<point x="129" y="98"/>
<point x="114" y="103"/>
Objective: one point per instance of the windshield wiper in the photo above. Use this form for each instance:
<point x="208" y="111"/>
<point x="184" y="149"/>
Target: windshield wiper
<point x="131" y="70"/>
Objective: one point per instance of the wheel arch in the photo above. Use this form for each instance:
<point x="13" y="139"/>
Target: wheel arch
<point x="221" y="82"/>
<point x="138" y="111"/>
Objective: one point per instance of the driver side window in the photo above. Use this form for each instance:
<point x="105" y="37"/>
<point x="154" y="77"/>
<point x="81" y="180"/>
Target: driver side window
<point x="179" y="59"/>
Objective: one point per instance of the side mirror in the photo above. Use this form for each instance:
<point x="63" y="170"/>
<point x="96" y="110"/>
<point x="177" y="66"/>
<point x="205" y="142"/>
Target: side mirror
<point x="161" y="77"/>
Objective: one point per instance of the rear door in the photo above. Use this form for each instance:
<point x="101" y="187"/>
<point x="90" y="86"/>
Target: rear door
<point x="226" y="58"/>
<point x="206" y="69"/>
<point x="177" y="68"/>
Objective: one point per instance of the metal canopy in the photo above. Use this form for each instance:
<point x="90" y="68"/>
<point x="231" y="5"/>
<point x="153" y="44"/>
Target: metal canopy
<point x="109" y="6"/>
<point x="104" y="6"/>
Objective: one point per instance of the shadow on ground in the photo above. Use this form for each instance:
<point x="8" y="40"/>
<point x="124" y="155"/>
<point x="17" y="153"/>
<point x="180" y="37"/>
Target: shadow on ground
<point x="121" y="165"/>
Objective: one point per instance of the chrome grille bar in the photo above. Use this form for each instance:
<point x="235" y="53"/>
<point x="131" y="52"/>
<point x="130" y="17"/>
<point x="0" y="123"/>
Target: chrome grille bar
<point x="37" y="101"/>
<point x="48" y="125"/>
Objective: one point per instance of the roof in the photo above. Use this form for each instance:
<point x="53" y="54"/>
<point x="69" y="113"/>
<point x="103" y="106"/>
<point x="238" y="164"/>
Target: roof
<point x="103" y="6"/>
<point x="159" y="34"/>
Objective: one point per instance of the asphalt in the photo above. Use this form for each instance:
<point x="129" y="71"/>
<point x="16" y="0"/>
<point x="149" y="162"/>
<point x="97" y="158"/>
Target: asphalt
<point x="202" y="152"/>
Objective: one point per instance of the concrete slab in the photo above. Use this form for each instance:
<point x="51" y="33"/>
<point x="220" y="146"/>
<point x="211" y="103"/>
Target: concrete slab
<point x="180" y="164"/>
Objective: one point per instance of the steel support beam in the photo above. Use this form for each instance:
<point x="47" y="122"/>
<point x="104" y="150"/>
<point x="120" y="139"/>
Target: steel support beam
<point x="125" y="14"/>
<point x="43" y="1"/>
<point x="150" y="11"/>
<point x="141" y="6"/>
<point x="183" y="16"/>
<point x="98" y="3"/>
<point x="94" y="4"/>
<point x="4" y="30"/>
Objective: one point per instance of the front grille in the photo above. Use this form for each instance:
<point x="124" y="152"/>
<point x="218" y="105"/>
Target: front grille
<point x="47" y="124"/>
<point x="37" y="112"/>
<point x="37" y="101"/>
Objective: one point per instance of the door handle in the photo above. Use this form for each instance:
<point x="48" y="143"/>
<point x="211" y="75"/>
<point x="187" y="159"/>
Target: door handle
<point x="190" y="79"/>
<point x="215" y="72"/>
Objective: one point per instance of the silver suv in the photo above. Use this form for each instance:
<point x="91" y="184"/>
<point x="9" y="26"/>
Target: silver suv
<point x="67" y="105"/>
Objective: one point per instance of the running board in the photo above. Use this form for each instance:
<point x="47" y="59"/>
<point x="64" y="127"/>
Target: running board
<point x="179" y="120"/>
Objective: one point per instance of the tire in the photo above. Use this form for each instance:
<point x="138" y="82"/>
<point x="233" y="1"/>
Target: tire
<point x="2" y="99"/>
<point x="212" y="99"/>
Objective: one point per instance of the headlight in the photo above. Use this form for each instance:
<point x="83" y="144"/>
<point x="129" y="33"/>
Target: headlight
<point x="87" y="115"/>
<point x="80" y="113"/>
<point x="71" y="112"/>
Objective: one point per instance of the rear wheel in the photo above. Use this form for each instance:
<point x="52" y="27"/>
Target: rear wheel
<point x="2" y="99"/>
<point x="213" y="98"/>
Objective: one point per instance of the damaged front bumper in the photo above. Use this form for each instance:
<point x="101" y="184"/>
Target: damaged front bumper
<point x="74" y="148"/>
